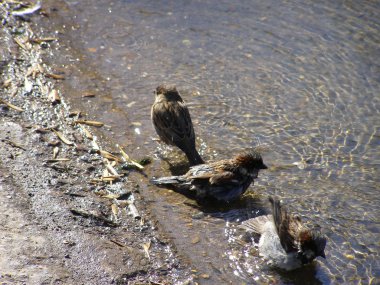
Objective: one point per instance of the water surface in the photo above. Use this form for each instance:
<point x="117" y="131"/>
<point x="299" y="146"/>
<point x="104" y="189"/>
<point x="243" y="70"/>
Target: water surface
<point x="299" y="78"/>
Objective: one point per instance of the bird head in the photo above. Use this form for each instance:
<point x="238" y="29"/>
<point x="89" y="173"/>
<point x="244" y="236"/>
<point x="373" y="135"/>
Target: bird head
<point x="169" y="91"/>
<point x="250" y="160"/>
<point x="312" y="244"/>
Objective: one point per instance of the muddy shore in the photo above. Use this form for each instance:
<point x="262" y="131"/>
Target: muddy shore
<point x="71" y="213"/>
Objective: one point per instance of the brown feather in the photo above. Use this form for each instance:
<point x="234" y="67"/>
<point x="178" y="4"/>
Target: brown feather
<point x="287" y="226"/>
<point x="257" y="224"/>
<point x="172" y="121"/>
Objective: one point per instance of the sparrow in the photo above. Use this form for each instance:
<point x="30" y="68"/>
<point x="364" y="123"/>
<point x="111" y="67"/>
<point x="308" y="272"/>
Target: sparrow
<point x="172" y="121"/>
<point x="285" y="241"/>
<point x="223" y="180"/>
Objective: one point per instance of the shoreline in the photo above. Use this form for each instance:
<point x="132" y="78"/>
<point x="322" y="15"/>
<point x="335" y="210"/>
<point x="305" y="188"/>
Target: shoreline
<point x="73" y="216"/>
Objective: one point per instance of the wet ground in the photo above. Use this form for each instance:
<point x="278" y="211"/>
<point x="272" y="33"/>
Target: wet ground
<point x="65" y="218"/>
<point x="300" y="79"/>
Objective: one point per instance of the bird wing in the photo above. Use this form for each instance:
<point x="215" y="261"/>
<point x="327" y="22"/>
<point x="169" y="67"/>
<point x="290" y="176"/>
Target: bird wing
<point x="287" y="226"/>
<point x="163" y="120"/>
<point x="200" y="175"/>
<point x="216" y="175"/>
<point x="224" y="177"/>
<point x="200" y="170"/>
<point x="173" y="120"/>
<point x="256" y="225"/>
<point x="186" y="123"/>
<point x="216" y="178"/>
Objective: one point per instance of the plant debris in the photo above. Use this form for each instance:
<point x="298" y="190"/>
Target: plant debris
<point x="129" y="160"/>
<point x="134" y="212"/>
<point x="146" y="247"/>
<point x="27" y="11"/>
<point x="62" y="137"/>
<point x="14" y="144"/>
<point x="11" y="106"/>
<point x="41" y="40"/>
<point x="54" y="97"/>
<point x="108" y="155"/>
<point x="55" y="76"/>
<point x="90" y="123"/>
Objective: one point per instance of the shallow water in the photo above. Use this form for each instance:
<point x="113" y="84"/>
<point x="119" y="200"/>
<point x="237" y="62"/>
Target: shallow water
<point x="299" y="78"/>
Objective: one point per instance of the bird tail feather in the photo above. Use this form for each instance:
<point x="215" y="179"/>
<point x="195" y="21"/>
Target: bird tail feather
<point x="256" y="225"/>
<point x="167" y="180"/>
<point x="194" y="158"/>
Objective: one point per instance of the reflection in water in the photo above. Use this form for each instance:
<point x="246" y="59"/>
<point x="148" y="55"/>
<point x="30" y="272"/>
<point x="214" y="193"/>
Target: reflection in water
<point x="301" y="78"/>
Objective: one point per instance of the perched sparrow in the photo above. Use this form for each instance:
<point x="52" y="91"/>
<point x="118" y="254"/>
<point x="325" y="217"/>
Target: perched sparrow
<point x="285" y="241"/>
<point x="172" y="122"/>
<point x="223" y="180"/>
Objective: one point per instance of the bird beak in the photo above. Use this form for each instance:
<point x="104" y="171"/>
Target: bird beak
<point x="323" y="255"/>
<point x="264" y="166"/>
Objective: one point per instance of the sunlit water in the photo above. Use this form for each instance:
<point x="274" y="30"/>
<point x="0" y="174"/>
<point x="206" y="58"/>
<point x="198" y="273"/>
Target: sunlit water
<point x="299" y="78"/>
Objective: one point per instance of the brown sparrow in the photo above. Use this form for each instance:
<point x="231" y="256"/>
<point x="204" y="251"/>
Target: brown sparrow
<point x="285" y="242"/>
<point x="172" y="122"/>
<point x="223" y="180"/>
